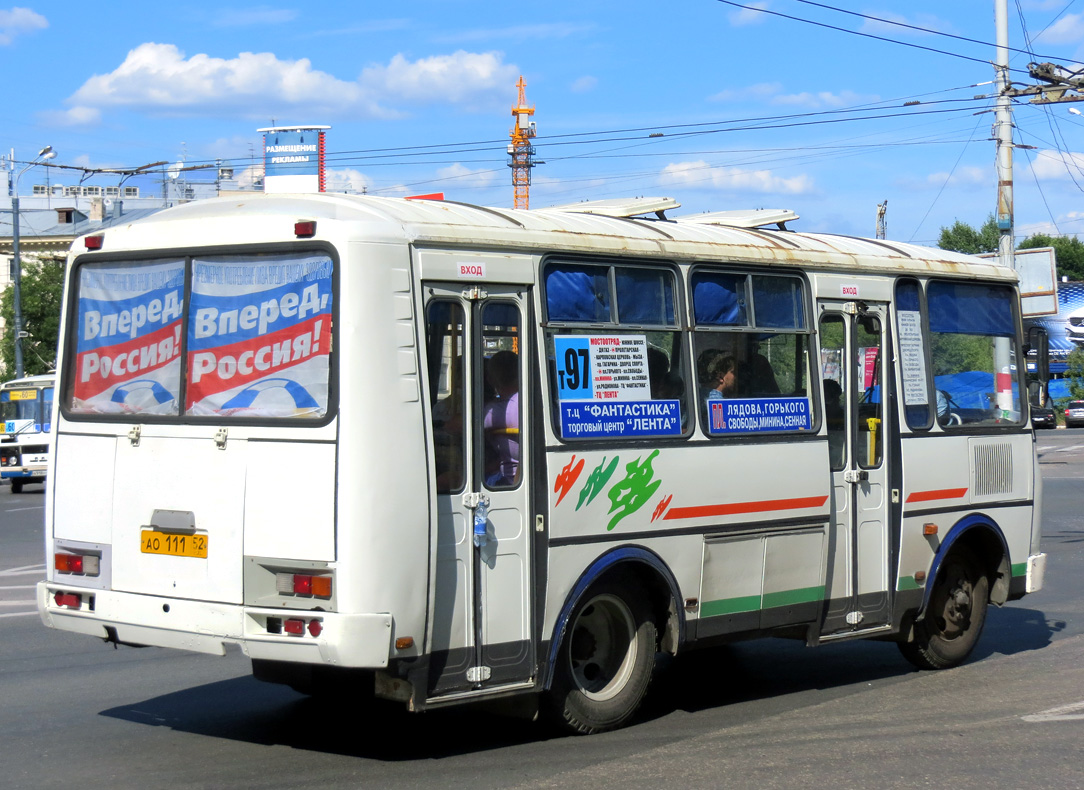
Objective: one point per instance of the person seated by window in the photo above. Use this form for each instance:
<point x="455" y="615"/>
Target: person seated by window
<point x="722" y="377"/>
<point x="834" y="414"/>
<point x="500" y="421"/>
<point x="665" y="385"/>
<point x="761" y="376"/>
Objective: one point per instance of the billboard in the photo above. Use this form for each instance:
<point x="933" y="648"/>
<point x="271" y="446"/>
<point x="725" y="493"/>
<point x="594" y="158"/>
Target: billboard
<point x="293" y="158"/>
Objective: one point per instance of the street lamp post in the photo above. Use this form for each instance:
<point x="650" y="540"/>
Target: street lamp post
<point x="16" y="265"/>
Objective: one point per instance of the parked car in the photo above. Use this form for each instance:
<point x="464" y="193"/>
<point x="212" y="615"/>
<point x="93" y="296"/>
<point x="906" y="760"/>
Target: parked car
<point x="1074" y="413"/>
<point x="1043" y="417"/>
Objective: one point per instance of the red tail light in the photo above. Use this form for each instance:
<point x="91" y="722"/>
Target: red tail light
<point x="87" y="564"/>
<point x="295" y="626"/>
<point x="70" y="600"/>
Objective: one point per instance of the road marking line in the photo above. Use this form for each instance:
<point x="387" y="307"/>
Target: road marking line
<point x="19" y="614"/>
<point x="21" y="509"/>
<point x="1073" y="712"/>
<point x="25" y="569"/>
<point x="20" y="587"/>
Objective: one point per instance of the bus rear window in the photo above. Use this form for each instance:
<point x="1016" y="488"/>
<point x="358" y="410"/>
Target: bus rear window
<point x="253" y="333"/>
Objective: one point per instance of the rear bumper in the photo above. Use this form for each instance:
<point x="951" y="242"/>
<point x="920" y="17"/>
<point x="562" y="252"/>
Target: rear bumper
<point x="344" y="640"/>
<point x="26" y="473"/>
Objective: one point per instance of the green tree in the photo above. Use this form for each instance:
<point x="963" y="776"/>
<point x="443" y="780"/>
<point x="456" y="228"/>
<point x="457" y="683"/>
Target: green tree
<point x="961" y="237"/>
<point x="1068" y="253"/>
<point x="41" y="292"/>
<point x="1075" y="373"/>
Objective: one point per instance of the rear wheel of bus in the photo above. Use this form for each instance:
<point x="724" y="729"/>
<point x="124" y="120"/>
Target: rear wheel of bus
<point x="605" y="661"/>
<point x="955" y="615"/>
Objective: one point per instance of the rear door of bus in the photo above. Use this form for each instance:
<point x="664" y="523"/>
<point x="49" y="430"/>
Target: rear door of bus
<point x="477" y="363"/>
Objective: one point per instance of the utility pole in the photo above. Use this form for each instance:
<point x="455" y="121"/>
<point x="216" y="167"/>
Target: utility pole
<point x="1003" y="135"/>
<point x="882" y="230"/>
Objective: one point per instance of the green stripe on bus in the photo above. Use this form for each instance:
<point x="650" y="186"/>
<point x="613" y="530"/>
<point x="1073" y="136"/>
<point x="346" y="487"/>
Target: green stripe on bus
<point x="791" y="597"/>
<point x="748" y="603"/>
<point x="753" y="603"/>
<point x="1020" y="569"/>
<point x="908" y="583"/>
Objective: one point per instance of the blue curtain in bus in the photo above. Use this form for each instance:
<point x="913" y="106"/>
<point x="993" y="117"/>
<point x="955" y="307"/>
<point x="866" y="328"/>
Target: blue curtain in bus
<point x="778" y="303"/>
<point x="969" y="309"/>
<point x="645" y="296"/>
<point x="578" y="293"/>
<point x="719" y="299"/>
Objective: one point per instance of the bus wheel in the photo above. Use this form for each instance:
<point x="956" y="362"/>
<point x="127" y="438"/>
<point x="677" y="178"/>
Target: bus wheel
<point x="954" y="617"/>
<point x="16" y="486"/>
<point x="605" y="661"/>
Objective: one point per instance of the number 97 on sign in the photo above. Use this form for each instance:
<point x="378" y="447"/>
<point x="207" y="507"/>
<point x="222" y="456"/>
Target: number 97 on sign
<point x="573" y="368"/>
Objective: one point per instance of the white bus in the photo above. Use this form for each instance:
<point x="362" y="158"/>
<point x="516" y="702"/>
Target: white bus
<point x="26" y="413"/>
<point x="468" y="453"/>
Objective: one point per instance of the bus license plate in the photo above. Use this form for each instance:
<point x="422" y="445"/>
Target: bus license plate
<point x="175" y="545"/>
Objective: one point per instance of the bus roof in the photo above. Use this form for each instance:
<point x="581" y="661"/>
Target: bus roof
<point x="29" y="381"/>
<point x="269" y="218"/>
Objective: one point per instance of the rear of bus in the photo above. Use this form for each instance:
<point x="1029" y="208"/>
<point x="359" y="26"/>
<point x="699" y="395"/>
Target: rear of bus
<point x="195" y="495"/>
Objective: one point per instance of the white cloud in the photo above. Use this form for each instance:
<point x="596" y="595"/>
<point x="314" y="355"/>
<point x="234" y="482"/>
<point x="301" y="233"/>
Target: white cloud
<point x="748" y="16"/>
<point x="963" y="176"/>
<point x="734" y="179"/>
<point x="249" y="177"/>
<point x="1055" y="165"/>
<point x="760" y="91"/>
<point x="76" y="116"/>
<point x="16" y="21"/>
<point x="821" y="99"/>
<point x="464" y="177"/>
<point x="347" y="179"/>
<point x="161" y="78"/>
<point x="1067" y="30"/>
<point x="460" y="78"/>
<point x="257" y="15"/>
<point x="584" y="85"/>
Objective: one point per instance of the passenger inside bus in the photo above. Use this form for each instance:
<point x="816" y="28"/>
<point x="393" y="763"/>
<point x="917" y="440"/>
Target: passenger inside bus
<point x="500" y="421"/>
<point x="722" y="377"/>
<point x="665" y="384"/>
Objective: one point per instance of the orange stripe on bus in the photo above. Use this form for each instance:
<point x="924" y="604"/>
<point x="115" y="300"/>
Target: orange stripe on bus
<point x="705" y="511"/>
<point x="929" y="496"/>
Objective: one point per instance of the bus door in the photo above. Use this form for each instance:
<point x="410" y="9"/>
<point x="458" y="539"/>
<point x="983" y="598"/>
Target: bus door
<point x="853" y="361"/>
<point x="477" y="364"/>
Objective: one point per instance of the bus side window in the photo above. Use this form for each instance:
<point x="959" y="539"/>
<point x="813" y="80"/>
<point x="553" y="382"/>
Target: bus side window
<point x="445" y="345"/>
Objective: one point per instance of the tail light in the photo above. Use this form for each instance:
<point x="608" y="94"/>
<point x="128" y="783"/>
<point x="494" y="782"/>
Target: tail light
<point x="303" y="584"/>
<point x="85" y="564"/>
<point x="68" y="600"/>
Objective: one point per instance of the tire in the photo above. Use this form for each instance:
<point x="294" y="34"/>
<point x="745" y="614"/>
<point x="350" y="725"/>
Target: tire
<point x="605" y="661"/>
<point x="955" y="614"/>
<point x="16" y="486"/>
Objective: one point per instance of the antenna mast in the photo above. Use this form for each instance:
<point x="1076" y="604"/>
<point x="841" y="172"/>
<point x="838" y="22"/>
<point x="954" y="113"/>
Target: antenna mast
<point x="520" y="150"/>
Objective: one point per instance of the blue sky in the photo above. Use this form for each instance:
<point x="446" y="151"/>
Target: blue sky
<point x="754" y="110"/>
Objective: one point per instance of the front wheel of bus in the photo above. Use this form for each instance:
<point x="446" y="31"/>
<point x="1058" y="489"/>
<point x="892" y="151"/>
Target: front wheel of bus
<point x="954" y="616"/>
<point x="16" y="486"/>
<point x="605" y="661"/>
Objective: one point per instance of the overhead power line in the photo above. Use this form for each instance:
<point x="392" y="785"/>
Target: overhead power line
<point x="927" y="30"/>
<point x="983" y="61"/>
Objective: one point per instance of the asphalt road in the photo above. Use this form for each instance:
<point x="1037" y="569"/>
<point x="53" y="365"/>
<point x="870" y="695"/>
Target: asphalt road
<point x="74" y="712"/>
